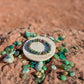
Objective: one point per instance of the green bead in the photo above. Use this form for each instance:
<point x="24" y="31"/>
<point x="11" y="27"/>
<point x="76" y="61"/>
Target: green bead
<point x="25" y="70"/>
<point x="24" y="61"/>
<point x="76" y="47"/>
<point x="69" y="67"/>
<point x="56" y="56"/>
<point x="53" y="67"/>
<point x="62" y="57"/>
<point x="66" y="62"/>
<point x="7" y="49"/>
<point x="63" y="77"/>
<point x="65" y="50"/>
<point x="60" y="48"/>
<point x="34" y="35"/>
<point x="60" y="38"/>
<point x="11" y="46"/>
<point x="24" y="76"/>
<point x="26" y="66"/>
<point x="17" y="53"/>
<point x="65" y="73"/>
<point x="27" y="34"/>
<point x="63" y="66"/>
<point x="71" y="63"/>
<point x="19" y="43"/>
<point x="56" y="40"/>
<point x="44" y="68"/>
<point x="20" y="56"/>
<point x="3" y="53"/>
<point x="72" y="73"/>
<point x="64" y="44"/>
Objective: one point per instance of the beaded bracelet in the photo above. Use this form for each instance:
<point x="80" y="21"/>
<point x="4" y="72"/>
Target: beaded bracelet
<point x="36" y="52"/>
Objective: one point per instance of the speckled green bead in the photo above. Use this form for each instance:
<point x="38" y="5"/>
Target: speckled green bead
<point x="19" y="43"/>
<point x="63" y="78"/>
<point x="56" y="56"/>
<point x="66" y="62"/>
<point x="44" y="68"/>
<point x="3" y="53"/>
<point x="71" y="63"/>
<point x="72" y="73"/>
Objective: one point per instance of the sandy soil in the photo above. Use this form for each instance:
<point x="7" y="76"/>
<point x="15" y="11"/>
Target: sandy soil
<point x="42" y="14"/>
<point x="73" y="38"/>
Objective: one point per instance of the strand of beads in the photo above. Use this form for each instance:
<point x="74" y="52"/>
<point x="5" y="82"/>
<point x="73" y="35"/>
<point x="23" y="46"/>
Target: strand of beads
<point x="36" y="52"/>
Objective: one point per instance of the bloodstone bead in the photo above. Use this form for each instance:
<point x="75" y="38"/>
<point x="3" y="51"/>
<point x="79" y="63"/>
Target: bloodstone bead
<point x="72" y="73"/>
<point x="11" y="46"/>
<point x="42" y="52"/>
<point x="63" y="77"/>
<point x="19" y="43"/>
<point x="66" y="62"/>
<point x="3" y="53"/>
<point x="71" y="63"/>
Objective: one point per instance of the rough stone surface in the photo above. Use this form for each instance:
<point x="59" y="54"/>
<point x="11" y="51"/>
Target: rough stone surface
<point x="11" y="73"/>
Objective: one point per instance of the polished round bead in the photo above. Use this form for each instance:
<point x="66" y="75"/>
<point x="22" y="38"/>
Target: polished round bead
<point x="63" y="78"/>
<point x="72" y="73"/>
<point x="66" y="62"/>
<point x="19" y="43"/>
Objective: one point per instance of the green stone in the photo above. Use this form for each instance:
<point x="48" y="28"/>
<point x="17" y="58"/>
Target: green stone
<point x="72" y="73"/>
<point x="24" y="61"/>
<point x="53" y="67"/>
<point x="63" y="66"/>
<point x="66" y="62"/>
<point x="26" y="66"/>
<point x="63" y="78"/>
<point x="27" y="34"/>
<point x="3" y="53"/>
<point x="65" y="50"/>
<point x="64" y="44"/>
<point x="76" y="47"/>
<point x="24" y="76"/>
<point x="69" y="67"/>
<point x="71" y="63"/>
<point x="60" y="38"/>
<point x="56" y="40"/>
<point x="44" y="68"/>
<point x="19" y="43"/>
<point x="62" y="57"/>
<point x="11" y="46"/>
<point x="56" y="56"/>
<point x="34" y="35"/>
<point x="25" y="70"/>
<point x="20" y="56"/>
<point x="60" y="48"/>
<point x="65" y="73"/>
<point x="8" y="49"/>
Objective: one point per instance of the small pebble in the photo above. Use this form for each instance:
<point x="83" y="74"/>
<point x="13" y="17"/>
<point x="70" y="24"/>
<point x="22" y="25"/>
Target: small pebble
<point x="65" y="73"/>
<point x="76" y="47"/>
<point x="53" y="67"/>
<point x="56" y="40"/>
<point x="60" y="48"/>
<point x="65" y="50"/>
<point x="64" y="44"/>
<point x="71" y="63"/>
<point x="0" y="52"/>
<point x="44" y="68"/>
